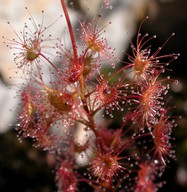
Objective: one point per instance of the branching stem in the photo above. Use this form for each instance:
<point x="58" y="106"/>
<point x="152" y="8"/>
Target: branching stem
<point x="72" y="37"/>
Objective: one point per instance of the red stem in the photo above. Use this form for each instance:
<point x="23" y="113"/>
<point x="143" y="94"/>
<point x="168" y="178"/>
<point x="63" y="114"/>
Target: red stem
<point x="48" y="61"/>
<point x="92" y="124"/>
<point x="70" y="31"/>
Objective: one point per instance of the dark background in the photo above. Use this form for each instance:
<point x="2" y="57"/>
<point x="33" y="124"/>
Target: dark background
<point x="172" y="17"/>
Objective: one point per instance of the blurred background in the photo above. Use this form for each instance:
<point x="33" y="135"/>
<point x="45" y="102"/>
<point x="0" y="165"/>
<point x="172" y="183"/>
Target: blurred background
<point x="26" y="169"/>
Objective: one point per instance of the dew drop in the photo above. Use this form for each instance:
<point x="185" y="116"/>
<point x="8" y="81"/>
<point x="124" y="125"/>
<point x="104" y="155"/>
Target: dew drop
<point x="156" y="161"/>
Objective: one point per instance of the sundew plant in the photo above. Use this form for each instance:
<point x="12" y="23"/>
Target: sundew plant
<point x="109" y="126"/>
